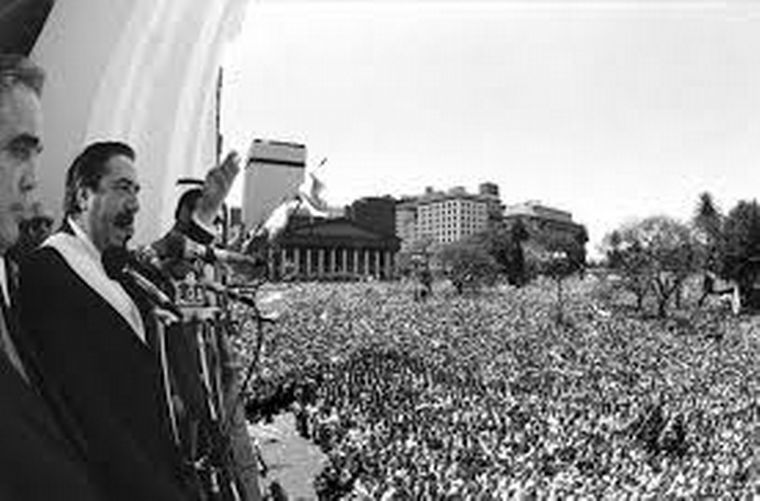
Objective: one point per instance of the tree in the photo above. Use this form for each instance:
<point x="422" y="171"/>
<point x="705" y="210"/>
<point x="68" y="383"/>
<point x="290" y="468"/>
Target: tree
<point x="741" y="244"/>
<point x="658" y="252"/>
<point x="468" y="264"/>
<point x="496" y="241"/>
<point x="503" y="242"/>
<point x="515" y="254"/>
<point x="560" y="256"/>
<point x="741" y="232"/>
<point x="708" y="226"/>
<point x="407" y="258"/>
<point x="579" y="248"/>
<point x="629" y="261"/>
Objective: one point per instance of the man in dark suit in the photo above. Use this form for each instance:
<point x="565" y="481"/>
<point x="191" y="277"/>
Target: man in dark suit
<point x="91" y="335"/>
<point x="41" y="456"/>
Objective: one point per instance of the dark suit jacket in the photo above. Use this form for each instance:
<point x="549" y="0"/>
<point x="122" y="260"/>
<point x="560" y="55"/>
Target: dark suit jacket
<point x="37" y="461"/>
<point x="40" y="457"/>
<point x="96" y="370"/>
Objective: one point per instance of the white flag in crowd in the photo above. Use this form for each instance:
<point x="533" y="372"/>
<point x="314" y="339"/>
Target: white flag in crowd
<point x="310" y="193"/>
<point x="308" y="196"/>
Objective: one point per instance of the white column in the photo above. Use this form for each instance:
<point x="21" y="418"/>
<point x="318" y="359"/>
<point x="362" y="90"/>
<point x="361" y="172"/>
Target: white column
<point x="282" y="263"/>
<point x="377" y="262"/>
<point x="356" y="261"/>
<point x="308" y="262"/>
<point x="321" y="262"/>
<point x="297" y="260"/>
<point x="388" y="267"/>
<point x="270" y="262"/>
<point x="345" y="260"/>
<point x="332" y="261"/>
<point x="366" y="262"/>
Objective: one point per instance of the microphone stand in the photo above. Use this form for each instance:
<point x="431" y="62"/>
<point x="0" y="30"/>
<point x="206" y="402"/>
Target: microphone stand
<point x="225" y="407"/>
<point x="252" y="366"/>
<point x="162" y="321"/>
<point x="217" y="462"/>
<point x="226" y="422"/>
<point x="116" y="263"/>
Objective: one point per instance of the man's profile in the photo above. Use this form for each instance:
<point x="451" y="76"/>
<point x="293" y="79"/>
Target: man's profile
<point x="41" y="456"/>
<point x="94" y="335"/>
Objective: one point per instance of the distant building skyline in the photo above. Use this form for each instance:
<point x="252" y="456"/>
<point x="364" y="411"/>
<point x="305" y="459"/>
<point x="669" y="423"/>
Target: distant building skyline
<point x="446" y="216"/>
<point x="611" y="110"/>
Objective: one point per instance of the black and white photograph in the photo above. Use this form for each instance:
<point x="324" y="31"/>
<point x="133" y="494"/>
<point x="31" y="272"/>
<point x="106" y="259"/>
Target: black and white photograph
<point x="379" y="250"/>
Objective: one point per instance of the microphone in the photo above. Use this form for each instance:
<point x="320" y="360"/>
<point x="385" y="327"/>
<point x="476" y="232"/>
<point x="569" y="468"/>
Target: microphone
<point x="211" y="254"/>
<point x="178" y="247"/>
<point x="221" y="290"/>
<point x="119" y="262"/>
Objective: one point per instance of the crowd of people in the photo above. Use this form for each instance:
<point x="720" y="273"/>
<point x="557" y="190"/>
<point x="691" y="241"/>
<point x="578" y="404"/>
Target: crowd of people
<point x="458" y="396"/>
<point x="487" y="397"/>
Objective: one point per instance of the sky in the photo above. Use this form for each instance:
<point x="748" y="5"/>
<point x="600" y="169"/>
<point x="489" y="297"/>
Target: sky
<point x="610" y="110"/>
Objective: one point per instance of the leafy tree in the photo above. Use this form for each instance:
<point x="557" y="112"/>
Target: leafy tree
<point x="741" y="242"/>
<point x="629" y="261"/>
<point x="468" y="264"/>
<point x="708" y="228"/>
<point x="515" y="254"/>
<point x="496" y="241"/>
<point x="658" y="252"/>
<point x="407" y="258"/>
<point x="503" y="242"/>
<point x="579" y="247"/>
<point x="560" y="257"/>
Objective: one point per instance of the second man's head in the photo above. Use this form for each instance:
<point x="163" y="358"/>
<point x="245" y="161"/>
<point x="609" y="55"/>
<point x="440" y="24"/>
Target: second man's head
<point x="101" y="193"/>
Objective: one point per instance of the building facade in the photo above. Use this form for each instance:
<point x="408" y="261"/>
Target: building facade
<point x="445" y="217"/>
<point x="542" y="221"/>
<point x="536" y="209"/>
<point x="332" y="249"/>
<point x="377" y="214"/>
<point x="451" y="217"/>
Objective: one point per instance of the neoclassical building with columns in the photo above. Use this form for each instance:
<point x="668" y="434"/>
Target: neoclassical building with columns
<point x="332" y="249"/>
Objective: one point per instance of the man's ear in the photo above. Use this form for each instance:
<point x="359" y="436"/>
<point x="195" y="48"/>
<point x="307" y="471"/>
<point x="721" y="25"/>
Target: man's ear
<point x="83" y="197"/>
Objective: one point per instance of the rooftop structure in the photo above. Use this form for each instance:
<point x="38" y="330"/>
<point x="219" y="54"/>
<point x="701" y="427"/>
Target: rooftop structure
<point x="534" y="208"/>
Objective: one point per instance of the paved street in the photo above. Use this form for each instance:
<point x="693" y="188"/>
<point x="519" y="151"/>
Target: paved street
<point x="292" y="461"/>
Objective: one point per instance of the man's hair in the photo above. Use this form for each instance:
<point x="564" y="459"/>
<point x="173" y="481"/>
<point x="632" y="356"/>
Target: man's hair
<point x="16" y="70"/>
<point x="187" y="201"/>
<point x="89" y="168"/>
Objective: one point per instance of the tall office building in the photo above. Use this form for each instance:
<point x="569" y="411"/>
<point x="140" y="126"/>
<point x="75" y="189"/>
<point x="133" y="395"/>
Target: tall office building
<point x="445" y="216"/>
<point x="275" y="172"/>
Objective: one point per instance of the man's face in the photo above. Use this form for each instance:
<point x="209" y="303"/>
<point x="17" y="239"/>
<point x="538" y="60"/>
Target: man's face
<point x="110" y="210"/>
<point x="20" y="146"/>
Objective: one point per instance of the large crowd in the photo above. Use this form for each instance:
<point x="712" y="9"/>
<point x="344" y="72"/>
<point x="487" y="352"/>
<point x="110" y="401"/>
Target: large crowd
<point x="486" y="396"/>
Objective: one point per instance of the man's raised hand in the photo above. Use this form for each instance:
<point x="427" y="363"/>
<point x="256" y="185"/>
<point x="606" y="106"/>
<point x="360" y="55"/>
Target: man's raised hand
<point x="216" y="187"/>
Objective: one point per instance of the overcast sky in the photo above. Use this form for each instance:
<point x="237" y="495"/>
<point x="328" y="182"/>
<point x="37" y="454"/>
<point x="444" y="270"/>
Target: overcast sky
<point x="610" y="110"/>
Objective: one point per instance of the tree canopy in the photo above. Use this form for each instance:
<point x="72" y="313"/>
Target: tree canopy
<point x="655" y="254"/>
